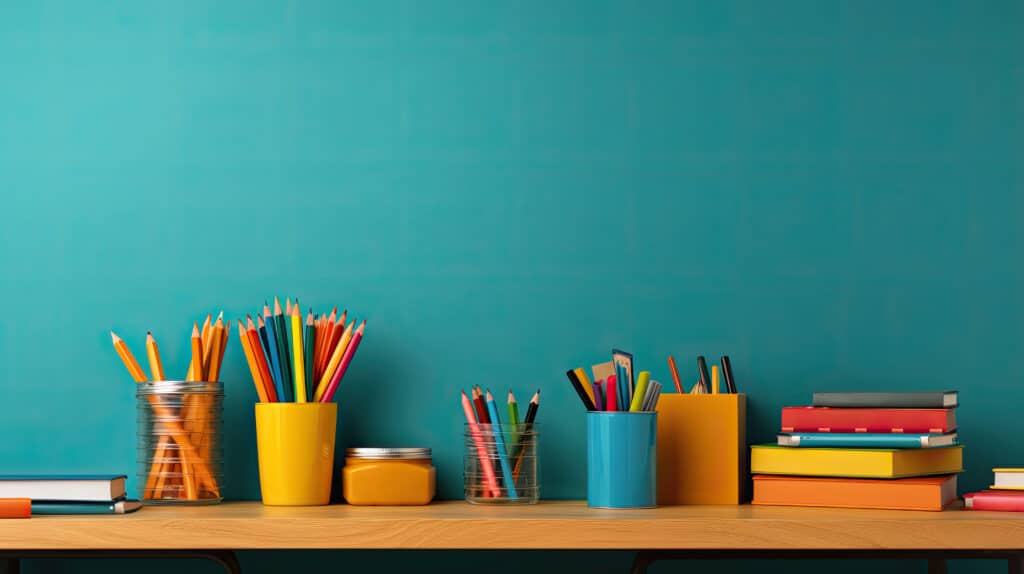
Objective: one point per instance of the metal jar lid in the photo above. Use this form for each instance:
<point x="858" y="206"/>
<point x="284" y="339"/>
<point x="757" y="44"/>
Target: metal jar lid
<point x="388" y="453"/>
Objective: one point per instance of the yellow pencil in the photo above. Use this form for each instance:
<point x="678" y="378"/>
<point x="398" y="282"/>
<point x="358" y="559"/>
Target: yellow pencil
<point x="298" y="360"/>
<point x="339" y="351"/>
<point x="212" y="371"/>
<point x="156" y="368"/>
<point x="250" y="359"/>
<point x="714" y="379"/>
<point x="207" y="334"/>
<point x="197" y="354"/>
<point x="128" y="359"/>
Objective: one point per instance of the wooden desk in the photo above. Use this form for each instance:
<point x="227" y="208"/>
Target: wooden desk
<point x="706" y="531"/>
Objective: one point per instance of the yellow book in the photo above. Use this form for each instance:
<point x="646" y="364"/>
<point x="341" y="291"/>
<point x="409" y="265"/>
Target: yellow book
<point x="855" y="462"/>
<point x="1008" y="478"/>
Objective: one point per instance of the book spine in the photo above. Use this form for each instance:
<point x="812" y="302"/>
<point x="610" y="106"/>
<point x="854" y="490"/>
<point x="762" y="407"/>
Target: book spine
<point x="826" y="440"/>
<point x="880" y="400"/>
<point x="822" y="419"/>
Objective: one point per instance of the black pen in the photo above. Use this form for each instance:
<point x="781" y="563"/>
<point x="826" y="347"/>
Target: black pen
<point x="702" y="369"/>
<point x="730" y="384"/>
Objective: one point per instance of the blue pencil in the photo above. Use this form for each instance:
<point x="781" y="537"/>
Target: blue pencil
<point x="622" y="396"/>
<point x="275" y="360"/>
<point x="265" y="349"/>
<point x="499" y="440"/>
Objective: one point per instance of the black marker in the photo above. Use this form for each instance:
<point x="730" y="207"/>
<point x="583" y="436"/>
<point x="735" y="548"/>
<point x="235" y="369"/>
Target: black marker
<point x="730" y="384"/>
<point x="705" y="380"/>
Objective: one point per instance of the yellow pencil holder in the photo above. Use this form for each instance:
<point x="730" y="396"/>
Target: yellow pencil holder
<point x="702" y="449"/>
<point x="295" y="444"/>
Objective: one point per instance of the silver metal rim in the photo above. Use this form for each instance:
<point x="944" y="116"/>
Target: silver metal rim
<point x="371" y="453"/>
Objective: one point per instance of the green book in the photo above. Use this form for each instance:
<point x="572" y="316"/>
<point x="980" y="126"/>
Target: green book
<point x="76" y="507"/>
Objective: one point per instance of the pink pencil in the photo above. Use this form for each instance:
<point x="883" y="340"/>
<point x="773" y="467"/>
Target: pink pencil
<point x="481" y="450"/>
<point x="346" y="359"/>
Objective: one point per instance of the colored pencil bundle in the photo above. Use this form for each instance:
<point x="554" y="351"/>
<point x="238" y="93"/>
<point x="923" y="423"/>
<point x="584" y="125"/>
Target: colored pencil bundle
<point x="292" y="360"/>
<point x="188" y="429"/>
<point x="614" y="388"/>
<point x="501" y="462"/>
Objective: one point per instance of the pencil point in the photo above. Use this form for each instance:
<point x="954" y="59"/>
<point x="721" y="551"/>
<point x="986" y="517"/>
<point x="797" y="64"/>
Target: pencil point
<point x="114" y="337"/>
<point x="489" y="396"/>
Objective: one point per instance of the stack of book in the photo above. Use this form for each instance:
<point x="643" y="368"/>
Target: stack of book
<point x="22" y="495"/>
<point x="863" y="450"/>
<point x="1006" y="493"/>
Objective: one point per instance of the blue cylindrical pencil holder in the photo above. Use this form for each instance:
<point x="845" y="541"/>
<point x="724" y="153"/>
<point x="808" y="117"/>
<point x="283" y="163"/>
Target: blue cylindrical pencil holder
<point x="622" y="459"/>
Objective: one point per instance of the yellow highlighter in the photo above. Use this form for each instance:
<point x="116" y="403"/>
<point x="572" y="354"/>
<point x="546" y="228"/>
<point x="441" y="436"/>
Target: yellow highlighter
<point x="714" y="379"/>
<point x="297" y="355"/>
<point x="641" y="391"/>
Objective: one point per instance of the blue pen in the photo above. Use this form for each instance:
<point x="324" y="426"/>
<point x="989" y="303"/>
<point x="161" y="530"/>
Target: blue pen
<point x="499" y="441"/>
<point x="275" y="360"/>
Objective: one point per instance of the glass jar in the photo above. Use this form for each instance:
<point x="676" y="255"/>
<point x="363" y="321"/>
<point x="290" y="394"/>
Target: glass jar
<point x="500" y="463"/>
<point x="388" y="476"/>
<point x="180" y="458"/>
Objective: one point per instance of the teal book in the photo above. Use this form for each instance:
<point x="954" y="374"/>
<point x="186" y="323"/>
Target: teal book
<point x="866" y="440"/>
<point x="73" y="507"/>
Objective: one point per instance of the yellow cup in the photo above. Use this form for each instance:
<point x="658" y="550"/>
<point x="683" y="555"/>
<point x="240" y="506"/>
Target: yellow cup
<point x="295" y="443"/>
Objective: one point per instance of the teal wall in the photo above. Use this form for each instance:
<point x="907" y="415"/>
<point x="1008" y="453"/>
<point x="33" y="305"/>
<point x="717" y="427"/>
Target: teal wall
<point x="829" y="192"/>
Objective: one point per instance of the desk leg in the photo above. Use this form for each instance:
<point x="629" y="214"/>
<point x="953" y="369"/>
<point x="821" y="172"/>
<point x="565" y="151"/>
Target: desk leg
<point x="643" y="560"/>
<point x="1015" y="565"/>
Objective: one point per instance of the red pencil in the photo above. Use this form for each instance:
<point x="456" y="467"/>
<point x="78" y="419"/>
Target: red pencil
<point x="346" y="360"/>
<point x="482" y="416"/>
<point x="675" y="374"/>
<point x="261" y="359"/>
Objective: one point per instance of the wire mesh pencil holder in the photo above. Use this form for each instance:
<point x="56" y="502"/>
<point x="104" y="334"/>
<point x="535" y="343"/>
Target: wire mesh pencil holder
<point x="180" y="454"/>
<point x="500" y="464"/>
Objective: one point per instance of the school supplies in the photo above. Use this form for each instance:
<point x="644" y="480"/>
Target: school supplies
<point x="855" y="462"/>
<point x="675" y="374"/>
<point x="826" y="419"/>
<point x="526" y="439"/>
<point x="920" y="493"/>
<point x="1008" y="478"/>
<point x="702" y="371"/>
<point x="926" y="400"/>
<point x="626" y="382"/>
<point x="15" y="507"/>
<point x="997" y="500"/>
<point x="499" y="445"/>
<point x="179" y="425"/>
<point x="513" y="415"/>
<point x="866" y="440"/>
<point x="611" y="390"/>
<point x="296" y="360"/>
<point x="76" y="507"/>
<point x="484" y="457"/>
<point x="295" y="446"/>
<point x="578" y="387"/>
<point x="84" y="487"/>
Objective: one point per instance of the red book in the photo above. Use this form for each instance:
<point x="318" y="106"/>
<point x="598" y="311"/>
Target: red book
<point x="1003" y="500"/>
<point x="827" y="419"/>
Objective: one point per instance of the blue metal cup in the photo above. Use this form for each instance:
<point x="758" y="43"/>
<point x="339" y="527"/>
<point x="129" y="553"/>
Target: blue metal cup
<point x="622" y="459"/>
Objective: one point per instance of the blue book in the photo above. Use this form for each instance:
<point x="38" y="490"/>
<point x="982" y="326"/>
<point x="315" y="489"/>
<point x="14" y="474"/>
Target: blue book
<point x="93" y="487"/>
<point x="76" y="507"/>
<point x="866" y="440"/>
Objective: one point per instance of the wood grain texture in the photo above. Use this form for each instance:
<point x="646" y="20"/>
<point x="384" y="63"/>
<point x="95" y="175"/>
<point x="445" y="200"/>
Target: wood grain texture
<point x="550" y="525"/>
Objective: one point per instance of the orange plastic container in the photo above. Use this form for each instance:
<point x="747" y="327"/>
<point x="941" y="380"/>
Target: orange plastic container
<point x="388" y="477"/>
<point x="702" y="449"/>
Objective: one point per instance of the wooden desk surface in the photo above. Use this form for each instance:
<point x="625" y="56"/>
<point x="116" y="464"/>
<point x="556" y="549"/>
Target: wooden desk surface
<point x="550" y="525"/>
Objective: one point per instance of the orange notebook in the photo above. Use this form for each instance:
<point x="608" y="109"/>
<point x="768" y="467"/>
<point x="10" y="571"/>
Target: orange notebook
<point x="922" y="493"/>
<point x="15" y="507"/>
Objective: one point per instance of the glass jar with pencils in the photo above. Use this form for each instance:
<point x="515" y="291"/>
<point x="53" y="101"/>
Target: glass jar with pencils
<point x="179" y="455"/>
<point x="500" y="463"/>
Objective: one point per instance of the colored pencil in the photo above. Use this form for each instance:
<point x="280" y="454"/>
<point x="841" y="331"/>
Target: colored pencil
<point x="336" y="356"/>
<point x="598" y="396"/>
<point x="298" y="356"/>
<point x="216" y="350"/>
<point x="250" y="359"/>
<point x="623" y="392"/>
<point x="640" y="395"/>
<point x="274" y="350"/>
<point x="531" y="416"/>
<point x="481" y="409"/>
<point x="261" y="359"/>
<point x="281" y="331"/>
<point x="127" y="358"/>
<point x="309" y="353"/>
<point x="584" y="398"/>
<point x="337" y="331"/>
<point x="513" y="417"/>
<point x="730" y="382"/>
<point x="490" y="478"/>
<point x="345" y="362"/>
<point x="499" y="445"/>
<point x="714" y="379"/>
<point x="702" y="370"/>
<point x="675" y="374"/>
<point x="207" y="334"/>
<point x="156" y="368"/>
<point x="611" y="401"/>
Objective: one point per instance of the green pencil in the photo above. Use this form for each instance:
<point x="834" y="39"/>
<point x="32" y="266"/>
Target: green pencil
<point x="309" y="348"/>
<point x="513" y="419"/>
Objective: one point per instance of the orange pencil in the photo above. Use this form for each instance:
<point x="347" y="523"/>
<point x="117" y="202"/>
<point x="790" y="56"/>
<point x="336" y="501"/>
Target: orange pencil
<point x="339" y="353"/>
<point x="207" y="348"/>
<point x="197" y="354"/>
<point x="156" y="368"/>
<point x="212" y="370"/>
<point x="261" y="359"/>
<point x="128" y="359"/>
<point x="675" y="374"/>
<point x="250" y="359"/>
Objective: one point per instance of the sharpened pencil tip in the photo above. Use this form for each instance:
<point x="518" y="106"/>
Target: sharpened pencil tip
<point x="114" y="337"/>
